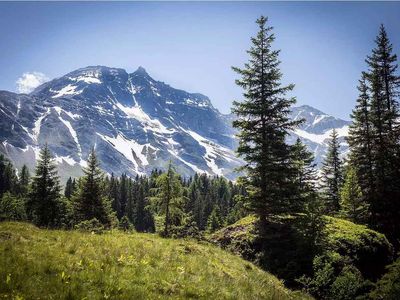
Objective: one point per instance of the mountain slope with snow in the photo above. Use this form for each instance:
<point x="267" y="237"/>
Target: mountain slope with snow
<point x="135" y="123"/>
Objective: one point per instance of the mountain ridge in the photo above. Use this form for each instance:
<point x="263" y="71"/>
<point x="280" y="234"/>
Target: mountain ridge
<point x="135" y="122"/>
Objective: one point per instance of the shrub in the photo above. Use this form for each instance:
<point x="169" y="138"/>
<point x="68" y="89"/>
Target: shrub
<point x="125" y="224"/>
<point x="388" y="287"/>
<point x="12" y="208"/>
<point x="92" y="225"/>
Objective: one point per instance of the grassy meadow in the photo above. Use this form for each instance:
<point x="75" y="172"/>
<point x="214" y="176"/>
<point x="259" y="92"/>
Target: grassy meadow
<point x="55" y="264"/>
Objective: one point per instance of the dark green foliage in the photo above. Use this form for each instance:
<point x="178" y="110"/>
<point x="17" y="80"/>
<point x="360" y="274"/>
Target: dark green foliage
<point x="263" y="123"/>
<point x="70" y="188"/>
<point x="214" y="220"/>
<point x="92" y="225"/>
<point x="332" y="175"/>
<point x="125" y="224"/>
<point x="90" y="201"/>
<point x="8" y="177"/>
<point x="286" y="252"/>
<point x="335" y="278"/>
<point x="360" y="142"/>
<point x="12" y="208"/>
<point x="375" y="138"/>
<point x="45" y="206"/>
<point x="352" y="203"/>
<point x="388" y="287"/>
<point x="23" y="181"/>
<point x="168" y="200"/>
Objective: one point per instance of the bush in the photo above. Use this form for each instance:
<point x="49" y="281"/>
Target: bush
<point x="92" y="225"/>
<point x="388" y="287"/>
<point x="12" y="208"/>
<point x="125" y="224"/>
<point x="335" y="278"/>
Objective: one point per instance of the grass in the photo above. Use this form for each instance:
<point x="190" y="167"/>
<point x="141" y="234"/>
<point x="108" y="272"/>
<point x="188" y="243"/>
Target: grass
<point x="54" y="264"/>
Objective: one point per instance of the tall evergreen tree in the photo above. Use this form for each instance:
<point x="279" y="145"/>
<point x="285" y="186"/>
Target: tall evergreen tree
<point x="384" y="115"/>
<point x="113" y="191"/>
<point x="332" y="175"/>
<point x="23" y="181"/>
<point x="123" y="194"/>
<point x="309" y="201"/>
<point x="90" y="202"/>
<point x="44" y="204"/>
<point x="360" y="139"/>
<point x="68" y="188"/>
<point x="263" y="123"/>
<point x="352" y="204"/>
<point x="168" y="198"/>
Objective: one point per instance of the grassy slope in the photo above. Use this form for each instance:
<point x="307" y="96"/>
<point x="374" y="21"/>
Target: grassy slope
<point x="43" y="264"/>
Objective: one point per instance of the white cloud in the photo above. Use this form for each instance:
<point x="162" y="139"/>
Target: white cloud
<point x="29" y="81"/>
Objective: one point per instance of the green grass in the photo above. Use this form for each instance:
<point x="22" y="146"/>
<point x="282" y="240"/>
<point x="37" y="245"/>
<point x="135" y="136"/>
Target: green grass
<point x="54" y="264"/>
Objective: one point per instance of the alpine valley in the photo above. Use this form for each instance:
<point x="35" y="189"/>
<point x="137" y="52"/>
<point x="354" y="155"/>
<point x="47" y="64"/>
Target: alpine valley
<point x="135" y="123"/>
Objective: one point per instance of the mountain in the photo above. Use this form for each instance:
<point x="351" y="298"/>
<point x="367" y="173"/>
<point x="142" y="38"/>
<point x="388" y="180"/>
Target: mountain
<point x="316" y="130"/>
<point x="135" y="123"/>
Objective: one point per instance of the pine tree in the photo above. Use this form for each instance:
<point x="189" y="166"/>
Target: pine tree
<point x="44" y="204"/>
<point x="263" y="123"/>
<point x="352" y="204"/>
<point x="309" y="201"/>
<point x="23" y="182"/>
<point x="113" y="188"/>
<point x="214" y="221"/>
<point x="90" y="201"/>
<point x="68" y="188"/>
<point x="384" y="115"/>
<point x="10" y="178"/>
<point x="123" y="194"/>
<point x="168" y="198"/>
<point x="360" y="141"/>
<point x="305" y="174"/>
<point x="332" y="175"/>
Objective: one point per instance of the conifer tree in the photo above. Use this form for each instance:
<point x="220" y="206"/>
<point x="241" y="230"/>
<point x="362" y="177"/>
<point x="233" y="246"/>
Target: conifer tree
<point x="352" y="204"/>
<point x="332" y="175"/>
<point x="360" y="141"/>
<point x="113" y="188"/>
<point x="214" y="221"/>
<point x="168" y="198"/>
<point x="306" y="174"/>
<point x="90" y="201"/>
<point x="384" y="115"/>
<point x="309" y="201"/>
<point x="123" y="194"/>
<point x="44" y="204"/>
<point x="23" y="182"/>
<point x="68" y="188"/>
<point x="263" y="123"/>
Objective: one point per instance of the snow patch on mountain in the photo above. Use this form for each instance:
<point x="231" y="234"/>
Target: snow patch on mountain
<point x="67" y="90"/>
<point x="321" y="138"/>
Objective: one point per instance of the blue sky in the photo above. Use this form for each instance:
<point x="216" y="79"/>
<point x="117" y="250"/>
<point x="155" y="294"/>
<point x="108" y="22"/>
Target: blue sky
<point x="192" y="45"/>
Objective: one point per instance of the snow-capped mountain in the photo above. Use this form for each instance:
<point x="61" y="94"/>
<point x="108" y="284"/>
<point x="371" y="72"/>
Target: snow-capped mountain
<point x="134" y="122"/>
<point x="316" y="130"/>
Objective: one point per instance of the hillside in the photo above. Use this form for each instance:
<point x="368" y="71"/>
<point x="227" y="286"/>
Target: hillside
<point x="42" y="264"/>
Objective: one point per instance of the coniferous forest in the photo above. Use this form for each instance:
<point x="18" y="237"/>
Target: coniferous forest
<point x="328" y="233"/>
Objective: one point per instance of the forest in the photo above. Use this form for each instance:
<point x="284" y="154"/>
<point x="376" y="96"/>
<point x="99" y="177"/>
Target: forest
<point x="333" y="233"/>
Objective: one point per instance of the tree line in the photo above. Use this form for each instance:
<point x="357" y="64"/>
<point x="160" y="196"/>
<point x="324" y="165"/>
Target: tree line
<point x="163" y="201"/>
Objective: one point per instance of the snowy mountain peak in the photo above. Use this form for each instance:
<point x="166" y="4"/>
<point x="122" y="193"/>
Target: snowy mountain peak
<point x="136" y="124"/>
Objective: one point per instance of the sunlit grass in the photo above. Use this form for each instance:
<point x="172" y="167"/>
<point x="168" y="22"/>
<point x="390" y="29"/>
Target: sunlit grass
<point x="54" y="264"/>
